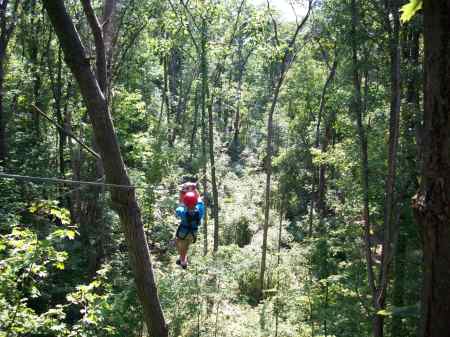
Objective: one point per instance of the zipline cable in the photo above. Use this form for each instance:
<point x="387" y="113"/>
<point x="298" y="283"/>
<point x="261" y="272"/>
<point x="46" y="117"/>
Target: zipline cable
<point x="78" y="189"/>
<point x="91" y="183"/>
<point x="74" y="182"/>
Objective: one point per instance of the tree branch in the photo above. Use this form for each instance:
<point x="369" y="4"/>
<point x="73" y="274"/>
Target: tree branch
<point x="70" y="134"/>
<point x="274" y="23"/>
<point x="97" y="32"/>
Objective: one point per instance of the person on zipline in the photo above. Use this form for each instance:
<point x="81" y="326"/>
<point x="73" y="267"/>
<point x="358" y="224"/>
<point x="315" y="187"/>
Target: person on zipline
<point x="190" y="214"/>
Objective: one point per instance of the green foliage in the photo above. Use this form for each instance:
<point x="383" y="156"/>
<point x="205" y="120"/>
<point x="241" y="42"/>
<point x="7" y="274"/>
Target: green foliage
<point x="106" y="308"/>
<point x="26" y="263"/>
<point x="64" y="269"/>
<point x="410" y="9"/>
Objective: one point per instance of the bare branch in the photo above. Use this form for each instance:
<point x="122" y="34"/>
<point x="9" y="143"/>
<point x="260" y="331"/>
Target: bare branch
<point x="185" y="5"/>
<point x="220" y="67"/>
<point x="293" y="10"/>
<point x="274" y="23"/>
<point x="70" y="134"/>
<point x="99" y="43"/>
<point x="116" y="69"/>
<point x="188" y="28"/>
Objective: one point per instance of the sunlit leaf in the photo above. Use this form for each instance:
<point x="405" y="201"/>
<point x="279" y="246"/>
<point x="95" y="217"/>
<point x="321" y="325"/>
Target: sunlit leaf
<point x="410" y="9"/>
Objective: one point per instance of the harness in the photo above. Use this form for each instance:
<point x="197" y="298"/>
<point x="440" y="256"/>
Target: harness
<point x="190" y="225"/>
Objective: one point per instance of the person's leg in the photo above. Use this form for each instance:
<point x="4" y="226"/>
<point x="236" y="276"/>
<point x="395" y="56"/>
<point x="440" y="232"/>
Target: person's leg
<point x="182" y="248"/>
<point x="187" y="242"/>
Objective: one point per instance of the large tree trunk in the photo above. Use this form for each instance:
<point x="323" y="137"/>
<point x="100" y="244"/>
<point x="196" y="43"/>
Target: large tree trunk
<point x="103" y="35"/>
<point x="124" y="200"/>
<point x="431" y="204"/>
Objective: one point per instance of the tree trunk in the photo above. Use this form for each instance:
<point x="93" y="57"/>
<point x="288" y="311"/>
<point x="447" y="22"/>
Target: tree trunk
<point x="33" y="46"/>
<point x="242" y="61"/>
<point x="109" y="29"/>
<point x="280" y="68"/>
<point x="59" y="114"/>
<point x="123" y="200"/>
<point x="431" y="204"/>
<point x="321" y="203"/>
<point x="398" y="291"/>
<point x="389" y="206"/>
<point x="357" y="108"/>
<point x="57" y="85"/>
<point x="6" y="31"/>
<point x="3" y="149"/>
<point x="215" y="192"/>
<point x="204" y="89"/>
<point x="268" y="166"/>
<point x="192" y="143"/>
<point x="208" y="105"/>
<point x="102" y="32"/>
<point x="183" y="99"/>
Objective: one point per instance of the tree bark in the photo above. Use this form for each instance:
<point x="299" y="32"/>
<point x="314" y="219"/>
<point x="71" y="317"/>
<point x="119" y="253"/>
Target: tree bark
<point x="192" y="143"/>
<point x="431" y="203"/>
<point x="389" y="222"/>
<point x="3" y="142"/>
<point x="109" y="28"/>
<point x="207" y="104"/>
<point x="281" y="68"/>
<point x="123" y="200"/>
<point x="357" y="108"/>
<point x="57" y="85"/>
<point x="95" y="207"/>
<point x="215" y="192"/>
<point x="321" y="203"/>
<point x="242" y="61"/>
<point x="203" y="97"/>
<point x="6" y="31"/>
<point x="398" y="291"/>
<point x="174" y="81"/>
<point x="36" y="63"/>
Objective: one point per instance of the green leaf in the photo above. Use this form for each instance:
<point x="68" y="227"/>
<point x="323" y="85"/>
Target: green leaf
<point x="59" y="265"/>
<point x="70" y="234"/>
<point x="384" y="312"/>
<point x="410" y="9"/>
<point x="402" y="312"/>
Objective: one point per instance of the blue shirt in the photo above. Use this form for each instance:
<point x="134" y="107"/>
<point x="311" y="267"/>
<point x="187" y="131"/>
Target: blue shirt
<point x="182" y="213"/>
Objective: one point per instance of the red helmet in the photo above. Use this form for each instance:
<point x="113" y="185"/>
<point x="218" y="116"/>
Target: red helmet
<point x="190" y="199"/>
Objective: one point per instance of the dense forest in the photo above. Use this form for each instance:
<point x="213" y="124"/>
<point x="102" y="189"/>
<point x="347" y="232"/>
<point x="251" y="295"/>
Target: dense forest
<point x="317" y="133"/>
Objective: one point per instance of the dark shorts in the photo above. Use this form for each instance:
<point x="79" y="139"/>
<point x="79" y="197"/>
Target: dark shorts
<point x="183" y="233"/>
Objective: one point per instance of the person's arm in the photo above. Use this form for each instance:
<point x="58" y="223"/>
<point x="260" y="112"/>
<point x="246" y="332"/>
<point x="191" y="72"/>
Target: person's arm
<point x="201" y="208"/>
<point x="179" y="211"/>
